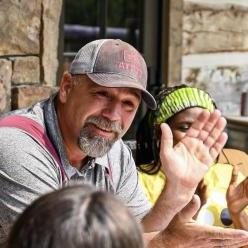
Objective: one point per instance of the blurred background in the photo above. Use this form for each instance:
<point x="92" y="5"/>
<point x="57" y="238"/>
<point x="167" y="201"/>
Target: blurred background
<point x="201" y="42"/>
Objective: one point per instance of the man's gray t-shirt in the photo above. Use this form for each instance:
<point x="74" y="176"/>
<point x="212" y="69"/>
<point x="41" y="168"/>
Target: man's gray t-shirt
<point x="28" y="170"/>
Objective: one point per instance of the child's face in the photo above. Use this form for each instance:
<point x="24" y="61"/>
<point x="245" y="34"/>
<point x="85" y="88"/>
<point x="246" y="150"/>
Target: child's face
<point x="182" y="121"/>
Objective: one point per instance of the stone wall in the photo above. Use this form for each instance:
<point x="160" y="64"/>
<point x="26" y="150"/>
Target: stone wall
<point x="29" y="34"/>
<point x="172" y="41"/>
<point x="215" y="49"/>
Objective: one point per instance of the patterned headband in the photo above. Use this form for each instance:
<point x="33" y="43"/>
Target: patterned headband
<point x="179" y="100"/>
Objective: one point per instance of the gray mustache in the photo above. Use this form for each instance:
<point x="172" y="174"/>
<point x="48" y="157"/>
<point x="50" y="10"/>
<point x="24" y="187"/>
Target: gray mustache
<point x="105" y="124"/>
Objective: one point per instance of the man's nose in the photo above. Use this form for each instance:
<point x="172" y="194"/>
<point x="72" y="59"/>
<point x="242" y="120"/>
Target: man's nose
<point x="112" y="111"/>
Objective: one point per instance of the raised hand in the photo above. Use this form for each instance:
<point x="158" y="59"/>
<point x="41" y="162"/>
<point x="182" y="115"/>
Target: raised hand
<point x="237" y="194"/>
<point x="186" y="163"/>
<point x="237" y="200"/>
<point x="184" y="232"/>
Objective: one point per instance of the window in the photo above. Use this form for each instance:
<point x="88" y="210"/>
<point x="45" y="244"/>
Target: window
<point x="87" y="20"/>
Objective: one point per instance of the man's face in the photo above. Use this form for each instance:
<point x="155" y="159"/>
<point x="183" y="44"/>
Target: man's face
<point x="97" y="116"/>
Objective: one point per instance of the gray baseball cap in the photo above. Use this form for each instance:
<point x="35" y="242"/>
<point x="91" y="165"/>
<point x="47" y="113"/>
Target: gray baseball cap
<point x="113" y="63"/>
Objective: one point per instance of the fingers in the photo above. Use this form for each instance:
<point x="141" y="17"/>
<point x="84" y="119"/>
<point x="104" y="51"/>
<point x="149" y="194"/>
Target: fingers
<point x="208" y="127"/>
<point x="231" y="238"/>
<point x="202" y="154"/>
<point x="190" y="210"/>
<point x="218" y="145"/>
<point x="225" y="233"/>
<point x="228" y="243"/>
<point x="234" y="177"/>
<point x="215" y="132"/>
<point x="197" y="126"/>
<point x="222" y="237"/>
<point x="166" y="138"/>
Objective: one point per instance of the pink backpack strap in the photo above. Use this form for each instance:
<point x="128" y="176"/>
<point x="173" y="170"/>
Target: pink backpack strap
<point x="37" y="131"/>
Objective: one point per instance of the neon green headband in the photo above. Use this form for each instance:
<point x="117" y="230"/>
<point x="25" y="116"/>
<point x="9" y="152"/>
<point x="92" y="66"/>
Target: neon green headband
<point x="181" y="99"/>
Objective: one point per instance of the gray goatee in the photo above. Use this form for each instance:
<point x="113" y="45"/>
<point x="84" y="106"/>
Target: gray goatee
<point x="94" y="145"/>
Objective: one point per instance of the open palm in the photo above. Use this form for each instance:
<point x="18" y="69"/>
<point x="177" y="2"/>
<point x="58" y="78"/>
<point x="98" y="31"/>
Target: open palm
<point x="186" y="163"/>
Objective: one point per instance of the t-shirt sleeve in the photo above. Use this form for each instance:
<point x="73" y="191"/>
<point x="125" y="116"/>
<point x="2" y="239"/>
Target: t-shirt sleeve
<point x="27" y="171"/>
<point x="128" y="188"/>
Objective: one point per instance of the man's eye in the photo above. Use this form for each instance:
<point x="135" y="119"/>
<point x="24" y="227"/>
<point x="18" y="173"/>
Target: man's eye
<point x="102" y="93"/>
<point x="129" y="106"/>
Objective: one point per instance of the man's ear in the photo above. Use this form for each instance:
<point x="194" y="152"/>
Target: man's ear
<point x="66" y="85"/>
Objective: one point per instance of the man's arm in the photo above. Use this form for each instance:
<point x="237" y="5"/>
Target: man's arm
<point x="185" y="165"/>
<point x="184" y="232"/>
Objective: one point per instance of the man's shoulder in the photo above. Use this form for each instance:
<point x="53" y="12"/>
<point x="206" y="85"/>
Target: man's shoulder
<point x="22" y="150"/>
<point x="17" y="127"/>
<point x="15" y="139"/>
<point x="34" y="112"/>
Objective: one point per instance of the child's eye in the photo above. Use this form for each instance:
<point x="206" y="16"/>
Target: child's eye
<point x="184" y="127"/>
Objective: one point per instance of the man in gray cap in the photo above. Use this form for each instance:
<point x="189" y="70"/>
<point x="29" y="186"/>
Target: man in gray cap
<point x="76" y="135"/>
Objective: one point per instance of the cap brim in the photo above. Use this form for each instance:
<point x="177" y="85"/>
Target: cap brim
<point x="115" y="80"/>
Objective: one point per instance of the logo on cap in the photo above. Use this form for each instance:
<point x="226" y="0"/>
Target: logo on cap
<point x="131" y="64"/>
